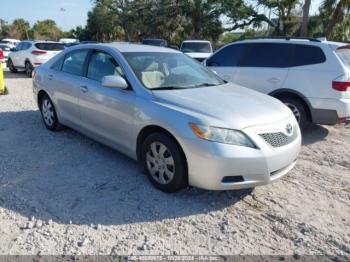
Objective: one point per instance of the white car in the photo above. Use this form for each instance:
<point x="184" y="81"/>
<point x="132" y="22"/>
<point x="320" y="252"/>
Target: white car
<point x="11" y="42"/>
<point x="6" y="49"/>
<point x="197" y="49"/>
<point x="311" y="76"/>
<point x="31" y="54"/>
<point x="68" y="41"/>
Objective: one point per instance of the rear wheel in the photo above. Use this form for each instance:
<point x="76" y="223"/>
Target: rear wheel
<point x="164" y="162"/>
<point x="29" y="69"/>
<point x="48" y="113"/>
<point x="298" y="110"/>
<point x="11" y="66"/>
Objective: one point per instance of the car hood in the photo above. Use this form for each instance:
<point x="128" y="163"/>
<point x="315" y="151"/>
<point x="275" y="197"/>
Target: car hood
<point x="227" y="105"/>
<point x="199" y="55"/>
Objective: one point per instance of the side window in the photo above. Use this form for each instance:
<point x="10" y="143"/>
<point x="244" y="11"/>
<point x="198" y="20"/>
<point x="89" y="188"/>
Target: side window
<point x="267" y="55"/>
<point x="74" y="62"/>
<point x="228" y="56"/>
<point x="308" y="55"/>
<point x="27" y="46"/>
<point x="102" y="64"/>
<point x="58" y="64"/>
<point x="19" y="47"/>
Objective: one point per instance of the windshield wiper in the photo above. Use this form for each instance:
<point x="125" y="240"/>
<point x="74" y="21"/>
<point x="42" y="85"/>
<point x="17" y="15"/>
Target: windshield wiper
<point x="203" y="85"/>
<point x="168" y="88"/>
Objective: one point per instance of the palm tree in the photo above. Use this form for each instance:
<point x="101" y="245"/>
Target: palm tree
<point x="338" y="10"/>
<point x="304" y="25"/>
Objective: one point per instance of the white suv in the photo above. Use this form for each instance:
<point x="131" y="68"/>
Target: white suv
<point x="30" y="54"/>
<point x="311" y="76"/>
<point x="197" y="49"/>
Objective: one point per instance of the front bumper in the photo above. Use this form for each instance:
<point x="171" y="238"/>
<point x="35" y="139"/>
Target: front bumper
<point x="210" y="163"/>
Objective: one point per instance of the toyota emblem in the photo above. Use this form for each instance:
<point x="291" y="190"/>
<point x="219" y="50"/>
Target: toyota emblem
<point x="289" y="129"/>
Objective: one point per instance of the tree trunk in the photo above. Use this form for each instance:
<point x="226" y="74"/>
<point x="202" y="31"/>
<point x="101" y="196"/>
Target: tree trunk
<point x="338" y="16"/>
<point x="304" y="25"/>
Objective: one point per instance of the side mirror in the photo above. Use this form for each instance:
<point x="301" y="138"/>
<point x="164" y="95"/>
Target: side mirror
<point x="114" y="81"/>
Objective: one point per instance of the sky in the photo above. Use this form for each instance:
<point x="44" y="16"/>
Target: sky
<point x="32" y="10"/>
<point x="75" y="11"/>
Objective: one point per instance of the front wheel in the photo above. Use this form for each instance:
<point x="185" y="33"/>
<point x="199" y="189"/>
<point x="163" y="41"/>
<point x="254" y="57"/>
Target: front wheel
<point x="298" y="110"/>
<point x="164" y="162"/>
<point x="11" y="66"/>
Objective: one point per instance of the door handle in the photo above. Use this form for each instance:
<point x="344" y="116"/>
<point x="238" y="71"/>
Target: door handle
<point x="50" y="77"/>
<point x="274" y="80"/>
<point x="84" y="89"/>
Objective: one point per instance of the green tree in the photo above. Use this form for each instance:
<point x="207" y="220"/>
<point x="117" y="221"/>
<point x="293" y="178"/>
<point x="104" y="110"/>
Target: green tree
<point x="4" y="29"/>
<point x="103" y="22"/>
<point x="338" y="11"/>
<point x="243" y="13"/>
<point x="46" y="30"/>
<point x="19" y="29"/>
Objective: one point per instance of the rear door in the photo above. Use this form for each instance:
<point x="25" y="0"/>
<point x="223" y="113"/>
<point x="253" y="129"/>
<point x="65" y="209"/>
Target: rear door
<point x="225" y="61"/>
<point x="22" y="55"/>
<point x="264" y="66"/>
<point x="67" y="82"/>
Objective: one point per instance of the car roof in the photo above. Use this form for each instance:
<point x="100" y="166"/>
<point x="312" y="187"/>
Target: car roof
<point x="126" y="47"/>
<point x="292" y="41"/>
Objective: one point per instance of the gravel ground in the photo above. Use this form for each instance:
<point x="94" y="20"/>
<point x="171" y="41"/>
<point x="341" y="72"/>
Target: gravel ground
<point x="62" y="193"/>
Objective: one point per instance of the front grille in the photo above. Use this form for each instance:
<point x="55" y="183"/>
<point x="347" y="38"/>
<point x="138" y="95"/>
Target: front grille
<point x="279" y="139"/>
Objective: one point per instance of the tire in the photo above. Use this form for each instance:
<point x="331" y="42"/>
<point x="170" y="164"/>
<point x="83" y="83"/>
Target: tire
<point x="298" y="110"/>
<point x="164" y="163"/>
<point x="48" y="114"/>
<point x="29" y="69"/>
<point x="11" y="66"/>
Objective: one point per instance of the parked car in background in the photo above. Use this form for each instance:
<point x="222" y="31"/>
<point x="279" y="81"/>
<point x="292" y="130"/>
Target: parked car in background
<point x="6" y="51"/>
<point x="184" y="123"/>
<point x="11" y="42"/>
<point x="30" y="54"/>
<point x="155" y="42"/>
<point x="310" y="76"/>
<point x="68" y="40"/>
<point x="197" y="49"/>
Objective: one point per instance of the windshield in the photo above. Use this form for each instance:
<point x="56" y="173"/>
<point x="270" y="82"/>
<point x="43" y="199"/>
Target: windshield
<point x="158" y="70"/>
<point x="344" y="54"/>
<point x="195" y="47"/>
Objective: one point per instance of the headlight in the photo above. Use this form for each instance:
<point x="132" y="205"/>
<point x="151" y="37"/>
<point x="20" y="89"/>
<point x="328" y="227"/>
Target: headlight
<point x="222" y="135"/>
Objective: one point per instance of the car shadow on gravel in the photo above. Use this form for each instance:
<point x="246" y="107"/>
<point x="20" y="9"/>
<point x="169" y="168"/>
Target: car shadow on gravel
<point x="65" y="176"/>
<point x="313" y="134"/>
<point x="18" y="75"/>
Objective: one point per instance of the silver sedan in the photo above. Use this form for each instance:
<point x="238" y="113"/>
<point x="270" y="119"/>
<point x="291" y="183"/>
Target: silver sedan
<point x="181" y="121"/>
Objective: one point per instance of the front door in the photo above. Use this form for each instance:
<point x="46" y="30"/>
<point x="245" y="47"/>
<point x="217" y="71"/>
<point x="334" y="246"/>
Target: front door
<point x="107" y="112"/>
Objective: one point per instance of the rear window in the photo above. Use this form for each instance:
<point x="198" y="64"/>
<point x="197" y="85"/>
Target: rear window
<point x="308" y="55"/>
<point x="344" y="55"/>
<point x="50" y="46"/>
<point x="196" y="47"/>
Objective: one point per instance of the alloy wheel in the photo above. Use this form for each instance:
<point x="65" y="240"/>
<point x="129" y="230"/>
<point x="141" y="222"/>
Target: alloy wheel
<point x="160" y="163"/>
<point x="48" y="112"/>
